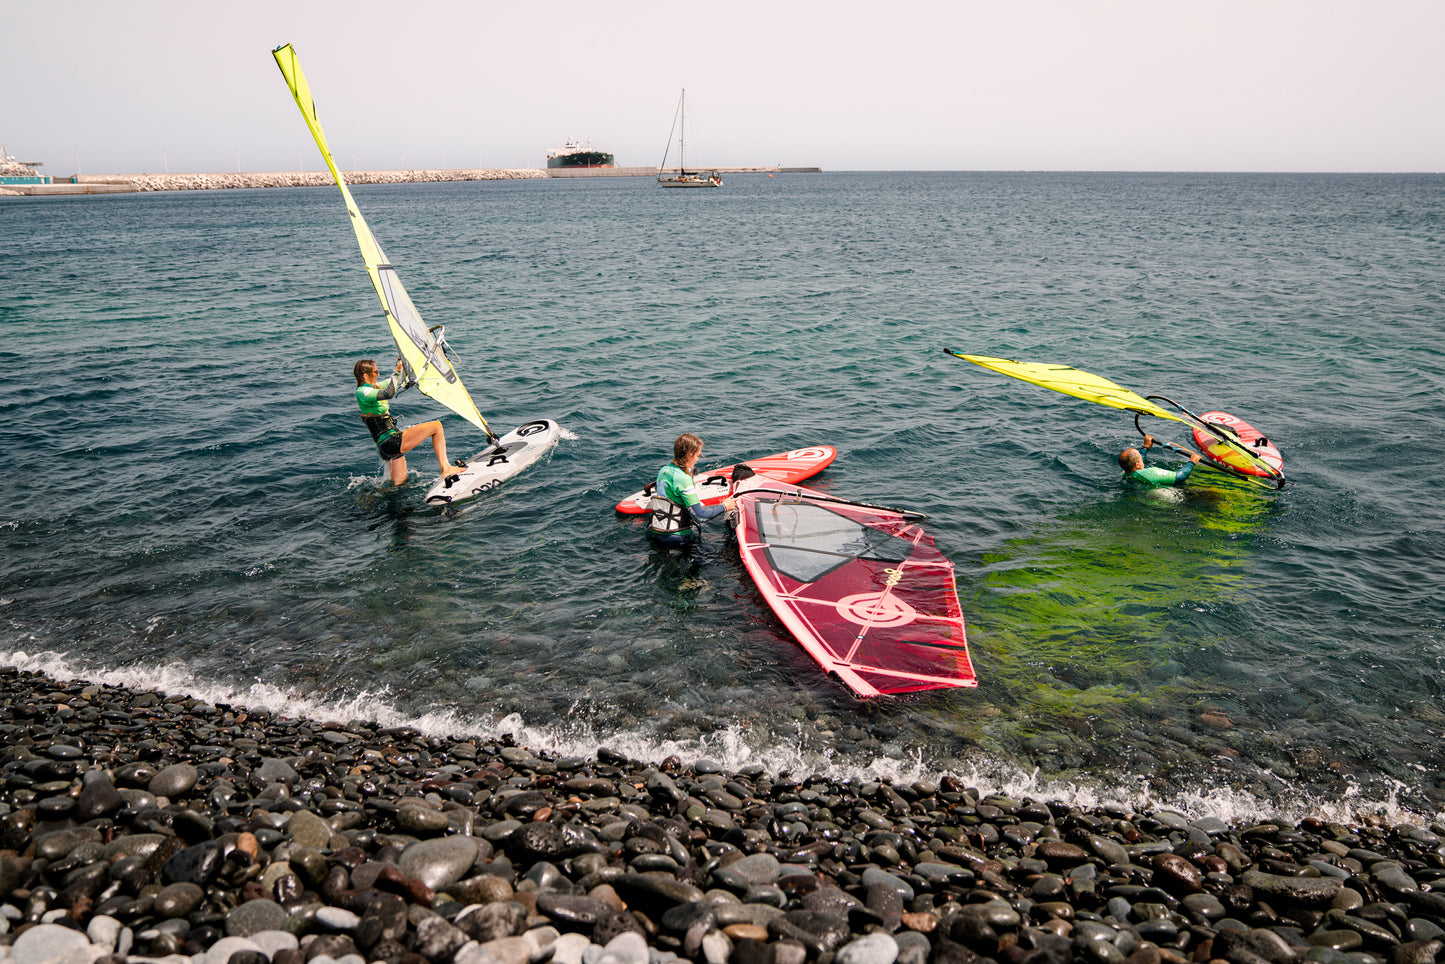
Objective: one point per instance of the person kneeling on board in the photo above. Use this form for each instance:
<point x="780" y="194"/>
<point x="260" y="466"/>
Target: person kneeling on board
<point x="1132" y="462"/>
<point x="393" y="443"/>
<point x="676" y="507"/>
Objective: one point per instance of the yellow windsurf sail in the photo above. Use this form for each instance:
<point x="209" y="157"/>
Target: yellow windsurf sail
<point x="1072" y="381"/>
<point x="421" y="349"/>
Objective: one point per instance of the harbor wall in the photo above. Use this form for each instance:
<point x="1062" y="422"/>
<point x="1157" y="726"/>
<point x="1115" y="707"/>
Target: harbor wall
<point x="121" y="183"/>
<point x="126" y="183"/>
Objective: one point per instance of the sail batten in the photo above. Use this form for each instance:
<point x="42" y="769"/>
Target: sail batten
<point x="423" y="356"/>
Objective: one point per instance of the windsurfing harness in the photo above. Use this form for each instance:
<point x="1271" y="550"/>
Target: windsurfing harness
<point x="676" y="507"/>
<point x="671" y="514"/>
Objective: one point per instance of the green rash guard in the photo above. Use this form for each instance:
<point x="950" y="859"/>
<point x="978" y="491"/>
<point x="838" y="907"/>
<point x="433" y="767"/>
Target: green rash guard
<point x="1156" y="475"/>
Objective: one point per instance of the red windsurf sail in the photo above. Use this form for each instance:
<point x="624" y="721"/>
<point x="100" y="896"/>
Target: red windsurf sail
<point x="862" y="588"/>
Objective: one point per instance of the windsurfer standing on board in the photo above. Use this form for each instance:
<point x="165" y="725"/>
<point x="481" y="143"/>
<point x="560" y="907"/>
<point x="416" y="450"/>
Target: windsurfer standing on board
<point x="1132" y="462"/>
<point x="393" y="443"/>
<point x="676" y="507"/>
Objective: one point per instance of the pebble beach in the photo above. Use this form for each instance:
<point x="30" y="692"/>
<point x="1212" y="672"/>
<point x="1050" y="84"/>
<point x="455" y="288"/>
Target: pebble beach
<point x="141" y="826"/>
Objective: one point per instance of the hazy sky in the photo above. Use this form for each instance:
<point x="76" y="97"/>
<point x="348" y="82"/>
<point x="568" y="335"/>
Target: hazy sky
<point x="1202" y="85"/>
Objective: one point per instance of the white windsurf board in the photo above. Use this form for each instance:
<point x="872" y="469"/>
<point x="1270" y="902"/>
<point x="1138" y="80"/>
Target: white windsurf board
<point x="489" y="468"/>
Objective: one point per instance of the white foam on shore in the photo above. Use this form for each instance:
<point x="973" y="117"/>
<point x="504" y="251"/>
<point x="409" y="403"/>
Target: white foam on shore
<point x="729" y="748"/>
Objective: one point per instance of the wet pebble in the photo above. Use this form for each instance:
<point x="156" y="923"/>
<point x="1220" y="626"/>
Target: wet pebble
<point x="174" y="780"/>
<point x="439" y="863"/>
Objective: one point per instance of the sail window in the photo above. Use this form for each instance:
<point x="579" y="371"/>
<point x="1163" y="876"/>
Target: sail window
<point x="805" y="541"/>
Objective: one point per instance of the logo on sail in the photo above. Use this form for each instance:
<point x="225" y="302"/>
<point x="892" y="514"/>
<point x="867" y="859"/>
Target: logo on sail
<point x="879" y="610"/>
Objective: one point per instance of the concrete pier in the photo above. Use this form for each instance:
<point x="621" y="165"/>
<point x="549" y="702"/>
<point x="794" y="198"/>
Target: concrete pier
<point x="119" y="183"/>
<point x="33" y="190"/>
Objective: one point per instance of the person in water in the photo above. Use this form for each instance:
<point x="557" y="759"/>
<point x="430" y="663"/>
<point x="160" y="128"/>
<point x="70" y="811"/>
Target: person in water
<point x="677" y="509"/>
<point x="1132" y="462"/>
<point x="393" y="443"/>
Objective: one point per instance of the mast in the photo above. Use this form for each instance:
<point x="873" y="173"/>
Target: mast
<point x="682" y="135"/>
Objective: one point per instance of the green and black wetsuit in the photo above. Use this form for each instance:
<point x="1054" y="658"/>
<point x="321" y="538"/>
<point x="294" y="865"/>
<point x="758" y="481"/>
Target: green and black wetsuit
<point x="375" y="405"/>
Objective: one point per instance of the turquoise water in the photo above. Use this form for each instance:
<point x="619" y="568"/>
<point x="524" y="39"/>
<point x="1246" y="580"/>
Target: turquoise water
<point x="191" y="501"/>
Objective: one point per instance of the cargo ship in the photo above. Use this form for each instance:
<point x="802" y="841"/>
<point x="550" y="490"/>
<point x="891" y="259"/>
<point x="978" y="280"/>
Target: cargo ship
<point x="573" y="154"/>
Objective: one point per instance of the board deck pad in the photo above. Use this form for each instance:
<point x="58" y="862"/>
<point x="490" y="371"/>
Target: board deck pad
<point x="517" y="450"/>
<point x="712" y="485"/>
<point x="862" y="589"/>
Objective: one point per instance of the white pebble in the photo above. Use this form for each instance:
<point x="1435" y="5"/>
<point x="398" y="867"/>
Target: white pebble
<point x="569" y="947"/>
<point x="338" y="919"/>
<point x="46" y="942"/>
<point x="541" y="940"/>
<point x="716" y="947"/>
<point x="221" y="951"/>
<point x="627" y="948"/>
<point x="272" y="941"/>
<point x="104" y="932"/>
<point x="871" y="949"/>
<point x="470" y="953"/>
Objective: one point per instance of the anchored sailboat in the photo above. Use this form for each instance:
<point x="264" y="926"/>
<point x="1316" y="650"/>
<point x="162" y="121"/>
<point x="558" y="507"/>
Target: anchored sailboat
<point x="423" y="350"/>
<point x="683" y="177"/>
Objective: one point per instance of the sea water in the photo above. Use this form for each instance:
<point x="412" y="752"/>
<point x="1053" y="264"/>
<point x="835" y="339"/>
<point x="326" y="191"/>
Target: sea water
<point x="190" y="501"/>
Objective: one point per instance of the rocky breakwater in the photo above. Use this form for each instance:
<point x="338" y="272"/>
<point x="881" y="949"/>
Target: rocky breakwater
<point x="141" y="827"/>
<point x="15" y="169"/>
<point x="211" y="182"/>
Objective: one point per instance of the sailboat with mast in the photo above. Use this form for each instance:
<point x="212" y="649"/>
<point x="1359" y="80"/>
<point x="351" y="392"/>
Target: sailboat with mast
<point x="683" y="177"/>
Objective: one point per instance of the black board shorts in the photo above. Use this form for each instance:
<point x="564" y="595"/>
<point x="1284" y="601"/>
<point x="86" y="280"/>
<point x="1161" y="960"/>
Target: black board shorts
<point x="389" y="448"/>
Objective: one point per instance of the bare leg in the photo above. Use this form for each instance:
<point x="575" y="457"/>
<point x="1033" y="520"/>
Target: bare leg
<point x="413" y="436"/>
<point x="398" y="470"/>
